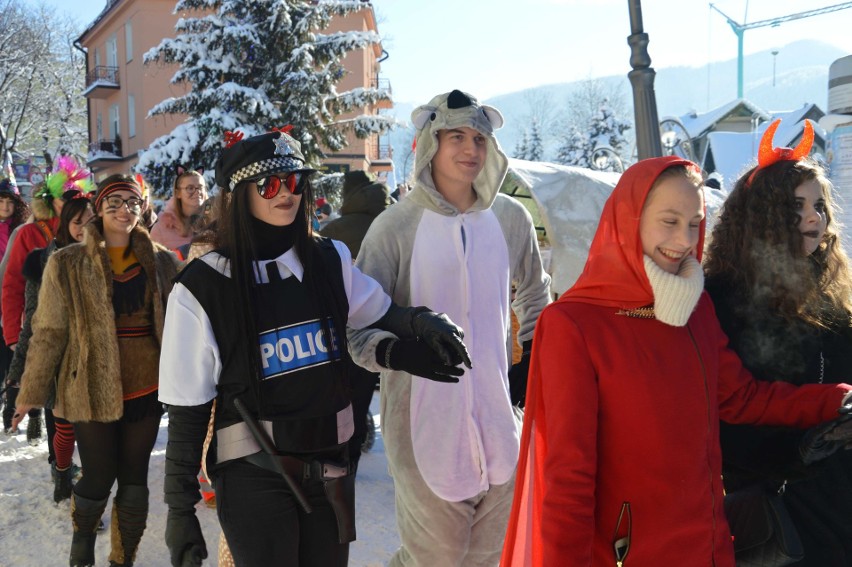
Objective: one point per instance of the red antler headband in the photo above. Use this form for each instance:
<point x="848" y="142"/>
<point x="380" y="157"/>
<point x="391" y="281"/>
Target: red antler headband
<point x="767" y="155"/>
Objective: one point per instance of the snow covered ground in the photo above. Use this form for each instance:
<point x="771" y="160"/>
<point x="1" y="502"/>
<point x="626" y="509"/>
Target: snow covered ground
<point x="35" y="532"/>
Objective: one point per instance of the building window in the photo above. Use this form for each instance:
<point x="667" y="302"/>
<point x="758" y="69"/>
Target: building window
<point x="97" y="57"/>
<point x="112" y="51"/>
<point x="99" y="127"/>
<point x="131" y="116"/>
<point x="113" y="122"/>
<point x="128" y="41"/>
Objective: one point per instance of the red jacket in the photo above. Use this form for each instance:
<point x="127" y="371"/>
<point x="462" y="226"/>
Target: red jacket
<point x="626" y="410"/>
<point x="29" y="237"/>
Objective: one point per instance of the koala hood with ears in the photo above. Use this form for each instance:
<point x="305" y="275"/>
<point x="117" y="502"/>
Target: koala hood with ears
<point x="456" y="110"/>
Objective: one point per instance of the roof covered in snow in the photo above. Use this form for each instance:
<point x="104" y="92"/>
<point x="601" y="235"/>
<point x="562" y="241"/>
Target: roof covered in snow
<point x="698" y="125"/>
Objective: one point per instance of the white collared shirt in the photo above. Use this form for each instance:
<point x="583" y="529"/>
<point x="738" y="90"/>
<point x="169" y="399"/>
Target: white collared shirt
<point x="189" y="359"/>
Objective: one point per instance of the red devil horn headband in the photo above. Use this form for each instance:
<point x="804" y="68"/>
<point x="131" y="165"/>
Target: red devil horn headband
<point x="767" y="155"/>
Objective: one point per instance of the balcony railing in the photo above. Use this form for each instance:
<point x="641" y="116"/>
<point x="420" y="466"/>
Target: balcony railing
<point x="381" y="84"/>
<point x="102" y="76"/>
<point x="103" y="149"/>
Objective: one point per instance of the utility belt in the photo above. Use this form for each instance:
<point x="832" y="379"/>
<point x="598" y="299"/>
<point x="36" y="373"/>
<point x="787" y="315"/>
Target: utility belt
<point x="315" y="470"/>
<point x="337" y="480"/>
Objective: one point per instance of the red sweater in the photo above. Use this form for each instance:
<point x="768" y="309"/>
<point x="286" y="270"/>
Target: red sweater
<point x="29" y="237"/>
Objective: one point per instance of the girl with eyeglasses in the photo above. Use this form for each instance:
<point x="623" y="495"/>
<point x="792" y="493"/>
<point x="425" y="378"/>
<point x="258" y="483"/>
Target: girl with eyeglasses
<point x="267" y="310"/>
<point x="100" y="321"/>
<point x="173" y="228"/>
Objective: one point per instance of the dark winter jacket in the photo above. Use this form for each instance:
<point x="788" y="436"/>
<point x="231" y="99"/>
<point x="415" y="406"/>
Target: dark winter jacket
<point x="74" y="329"/>
<point x="361" y="204"/>
<point x="818" y="496"/>
<point x="32" y="271"/>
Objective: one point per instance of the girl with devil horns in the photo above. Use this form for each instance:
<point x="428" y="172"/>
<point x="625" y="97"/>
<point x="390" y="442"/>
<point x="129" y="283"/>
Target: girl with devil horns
<point x="268" y="310"/>
<point x="100" y="316"/>
<point x="782" y="288"/>
<point x="620" y="460"/>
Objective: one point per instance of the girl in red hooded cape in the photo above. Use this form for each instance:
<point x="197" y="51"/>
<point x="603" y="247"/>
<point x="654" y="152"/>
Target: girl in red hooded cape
<point x="630" y="373"/>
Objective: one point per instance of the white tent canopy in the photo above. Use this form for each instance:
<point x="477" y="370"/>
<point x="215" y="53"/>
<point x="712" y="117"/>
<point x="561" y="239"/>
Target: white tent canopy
<point x="570" y="200"/>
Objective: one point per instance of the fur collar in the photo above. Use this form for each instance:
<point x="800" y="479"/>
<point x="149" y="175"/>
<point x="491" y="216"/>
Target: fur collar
<point x="140" y="242"/>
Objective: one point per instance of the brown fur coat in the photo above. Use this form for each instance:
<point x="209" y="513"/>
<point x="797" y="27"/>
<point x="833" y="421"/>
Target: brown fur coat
<point x="74" y="334"/>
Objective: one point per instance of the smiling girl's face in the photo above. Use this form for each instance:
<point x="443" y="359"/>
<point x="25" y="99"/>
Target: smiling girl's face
<point x="671" y="220"/>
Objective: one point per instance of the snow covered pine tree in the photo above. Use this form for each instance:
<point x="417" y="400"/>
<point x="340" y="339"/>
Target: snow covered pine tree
<point x="254" y="66"/>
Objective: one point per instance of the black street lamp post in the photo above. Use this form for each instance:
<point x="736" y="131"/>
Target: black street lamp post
<point x="642" y="80"/>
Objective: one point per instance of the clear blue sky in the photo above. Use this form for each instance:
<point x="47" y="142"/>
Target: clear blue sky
<point x="491" y="47"/>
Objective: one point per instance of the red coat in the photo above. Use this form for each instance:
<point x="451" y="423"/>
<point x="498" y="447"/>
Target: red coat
<point x="623" y="409"/>
<point x="29" y="237"/>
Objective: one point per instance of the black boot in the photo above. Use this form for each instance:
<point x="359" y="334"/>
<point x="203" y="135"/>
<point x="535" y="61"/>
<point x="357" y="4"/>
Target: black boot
<point x="129" y="517"/>
<point x="11" y="396"/>
<point x="85" y="515"/>
<point x="63" y="483"/>
<point x="34" y="427"/>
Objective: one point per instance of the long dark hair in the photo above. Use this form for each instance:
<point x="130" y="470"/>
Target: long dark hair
<point x="70" y="211"/>
<point x="757" y="247"/>
<point x="235" y="241"/>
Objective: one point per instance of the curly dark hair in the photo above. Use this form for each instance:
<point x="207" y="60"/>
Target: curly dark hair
<point x="21" y="212"/>
<point x="756" y="246"/>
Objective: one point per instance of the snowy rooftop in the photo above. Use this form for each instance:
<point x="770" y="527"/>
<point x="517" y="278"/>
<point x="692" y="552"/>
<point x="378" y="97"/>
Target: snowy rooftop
<point x="699" y="124"/>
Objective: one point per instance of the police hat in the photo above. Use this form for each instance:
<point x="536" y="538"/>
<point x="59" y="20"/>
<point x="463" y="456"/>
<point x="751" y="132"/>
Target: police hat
<point x="257" y="157"/>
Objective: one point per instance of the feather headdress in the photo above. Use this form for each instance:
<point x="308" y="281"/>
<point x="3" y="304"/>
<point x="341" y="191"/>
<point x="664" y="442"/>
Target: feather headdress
<point x="67" y="175"/>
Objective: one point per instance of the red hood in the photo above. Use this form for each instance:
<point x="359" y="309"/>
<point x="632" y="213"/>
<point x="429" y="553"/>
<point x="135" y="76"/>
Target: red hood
<point x="614" y="275"/>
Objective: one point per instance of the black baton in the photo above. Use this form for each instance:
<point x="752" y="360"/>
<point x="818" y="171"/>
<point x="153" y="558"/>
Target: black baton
<point x="265" y="443"/>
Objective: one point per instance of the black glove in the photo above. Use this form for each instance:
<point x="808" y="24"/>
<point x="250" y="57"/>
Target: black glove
<point x="518" y="377"/>
<point x="416" y="357"/>
<point x="184" y="539"/>
<point x="826" y="439"/>
<point x="436" y="329"/>
<point x="442" y="335"/>
<point x="187" y="429"/>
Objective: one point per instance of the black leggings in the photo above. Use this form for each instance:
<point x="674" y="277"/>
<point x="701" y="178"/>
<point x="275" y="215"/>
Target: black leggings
<point x="119" y="450"/>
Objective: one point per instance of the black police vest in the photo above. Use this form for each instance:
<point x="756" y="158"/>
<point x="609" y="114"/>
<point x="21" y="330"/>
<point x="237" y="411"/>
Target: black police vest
<point x="302" y="384"/>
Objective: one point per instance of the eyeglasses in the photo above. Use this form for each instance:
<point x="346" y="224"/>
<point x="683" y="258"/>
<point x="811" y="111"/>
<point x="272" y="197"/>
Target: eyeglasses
<point x="134" y="205"/>
<point x="268" y="187"/>
<point x="192" y="189"/>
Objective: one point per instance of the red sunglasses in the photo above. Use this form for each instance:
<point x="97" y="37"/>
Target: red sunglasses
<point x="268" y="187"/>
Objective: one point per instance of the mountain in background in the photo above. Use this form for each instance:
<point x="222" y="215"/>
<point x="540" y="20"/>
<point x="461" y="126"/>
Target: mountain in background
<point x="801" y="76"/>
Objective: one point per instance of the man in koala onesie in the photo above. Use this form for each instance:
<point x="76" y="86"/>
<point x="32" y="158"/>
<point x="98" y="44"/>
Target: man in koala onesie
<point x="458" y="245"/>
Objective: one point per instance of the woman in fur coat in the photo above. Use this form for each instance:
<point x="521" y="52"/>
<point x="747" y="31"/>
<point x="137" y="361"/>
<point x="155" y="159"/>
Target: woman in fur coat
<point x="100" y="322"/>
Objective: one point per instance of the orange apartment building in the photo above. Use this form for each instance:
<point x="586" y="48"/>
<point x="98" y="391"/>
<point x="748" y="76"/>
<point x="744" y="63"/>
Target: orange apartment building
<point x="120" y="89"/>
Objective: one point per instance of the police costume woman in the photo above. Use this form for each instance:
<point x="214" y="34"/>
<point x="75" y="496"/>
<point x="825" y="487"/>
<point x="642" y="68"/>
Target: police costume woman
<point x="255" y="333"/>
